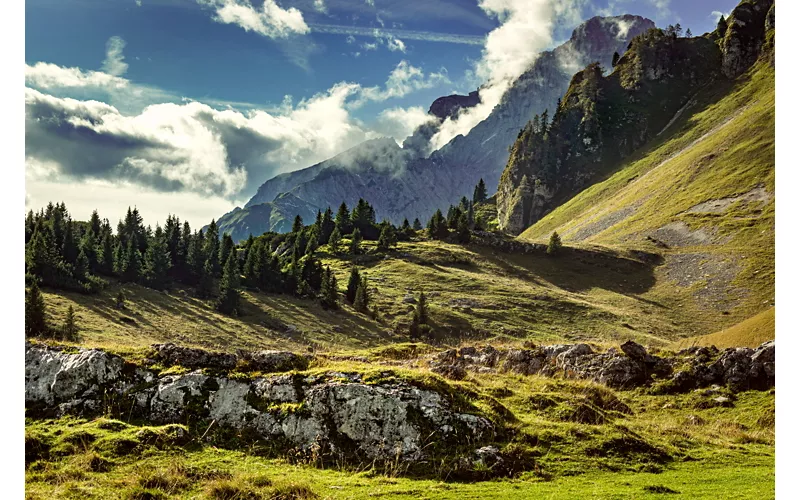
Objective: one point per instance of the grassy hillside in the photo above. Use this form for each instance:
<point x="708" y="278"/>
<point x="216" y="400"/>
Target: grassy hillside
<point x="701" y="195"/>
<point x="750" y="333"/>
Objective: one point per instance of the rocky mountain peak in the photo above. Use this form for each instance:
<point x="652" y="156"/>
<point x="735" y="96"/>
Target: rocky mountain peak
<point x="448" y="106"/>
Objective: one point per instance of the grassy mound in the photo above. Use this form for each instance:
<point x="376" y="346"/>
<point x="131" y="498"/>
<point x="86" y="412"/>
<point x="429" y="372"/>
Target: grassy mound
<point x="751" y="332"/>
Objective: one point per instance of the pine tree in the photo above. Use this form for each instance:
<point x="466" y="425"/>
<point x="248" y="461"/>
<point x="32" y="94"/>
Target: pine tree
<point x="361" y="301"/>
<point x="329" y="290"/>
<point x="226" y="247"/>
<point x="69" y="331"/>
<point x="327" y="226"/>
<point x="132" y="263"/>
<point x="554" y="245"/>
<point x="421" y="311"/>
<point x="355" y="242"/>
<point x="211" y="248"/>
<point x="335" y="241"/>
<point x="480" y="194"/>
<point x="388" y="238"/>
<point x="437" y="226"/>
<point x="228" y="298"/>
<point x="689" y="33"/>
<point x="462" y="230"/>
<point x="70" y="248"/>
<point x="94" y="223"/>
<point x="157" y="262"/>
<point x="417" y="225"/>
<point x="81" y="266"/>
<point x="313" y="240"/>
<point x="615" y="59"/>
<point x="352" y="284"/>
<point x="35" y="314"/>
<point x="107" y="254"/>
<point x="205" y="285"/>
<point x="722" y="26"/>
<point x="297" y="225"/>
<point x="342" y="220"/>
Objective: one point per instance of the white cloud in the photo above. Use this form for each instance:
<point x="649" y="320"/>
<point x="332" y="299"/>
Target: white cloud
<point x="138" y="3"/>
<point x="716" y="14"/>
<point x="271" y="20"/>
<point x="350" y="39"/>
<point x="319" y="6"/>
<point x="369" y="46"/>
<point x="399" y="123"/>
<point x="403" y="80"/>
<point x="425" y="36"/>
<point x="505" y="57"/>
<point x="48" y="76"/>
<point x="114" y="63"/>
<point x="371" y="3"/>
<point x="395" y="44"/>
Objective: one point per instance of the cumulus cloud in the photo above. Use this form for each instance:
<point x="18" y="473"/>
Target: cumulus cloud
<point x="526" y="29"/>
<point x="50" y="76"/>
<point x="271" y="20"/>
<point x="319" y="6"/>
<point x="403" y="80"/>
<point x="396" y="45"/>
<point x="400" y="123"/>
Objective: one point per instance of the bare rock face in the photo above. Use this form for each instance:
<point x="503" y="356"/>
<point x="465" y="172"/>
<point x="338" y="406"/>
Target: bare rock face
<point x="449" y="106"/>
<point x="335" y="412"/>
<point x="742" y="42"/>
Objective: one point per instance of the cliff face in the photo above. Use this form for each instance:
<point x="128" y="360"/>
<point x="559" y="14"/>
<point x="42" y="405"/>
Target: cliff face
<point x="408" y="183"/>
<point x="603" y="119"/>
<point x="276" y="216"/>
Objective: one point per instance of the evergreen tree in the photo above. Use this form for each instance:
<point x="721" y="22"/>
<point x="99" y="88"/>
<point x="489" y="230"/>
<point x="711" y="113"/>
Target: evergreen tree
<point x="554" y="245"/>
<point x="157" y="262"/>
<point x="70" y="248"/>
<point x="417" y="226"/>
<point x="313" y="239"/>
<point x="329" y="290"/>
<point x="226" y="248"/>
<point x="388" y="238"/>
<point x="352" y="284"/>
<point x="335" y="241"/>
<point x="462" y="230"/>
<point x="94" y="223"/>
<point x="689" y="33"/>
<point x="248" y="246"/>
<point x="437" y="226"/>
<point x="722" y="26"/>
<point x="205" y="285"/>
<point x="120" y="300"/>
<point x="228" y="298"/>
<point x="132" y="263"/>
<point x="342" y="220"/>
<point x="355" y="242"/>
<point x="253" y="263"/>
<point x="406" y="226"/>
<point x="615" y="59"/>
<point x="119" y="259"/>
<point x="421" y="311"/>
<point x="88" y="247"/>
<point x="70" y="330"/>
<point x="480" y="194"/>
<point x="30" y="224"/>
<point x="361" y="301"/>
<point x="297" y="225"/>
<point x="211" y="248"/>
<point x="35" y="315"/>
<point x="453" y="215"/>
<point x="81" y="266"/>
<point x="327" y="226"/>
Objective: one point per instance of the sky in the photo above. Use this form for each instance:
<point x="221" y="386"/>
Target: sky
<point x="185" y="107"/>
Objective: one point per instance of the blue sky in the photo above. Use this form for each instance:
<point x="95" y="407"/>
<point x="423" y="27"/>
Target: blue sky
<point x="186" y="106"/>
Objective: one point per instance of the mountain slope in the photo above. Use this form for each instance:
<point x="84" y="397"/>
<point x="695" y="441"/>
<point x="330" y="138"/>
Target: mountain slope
<point x="701" y="195"/>
<point x="276" y="216"/>
<point x="402" y="183"/>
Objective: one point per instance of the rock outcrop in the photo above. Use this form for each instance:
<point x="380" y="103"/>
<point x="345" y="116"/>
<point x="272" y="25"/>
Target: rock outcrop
<point x="742" y="42"/>
<point x="328" y="413"/>
<point x="737" y="368"/>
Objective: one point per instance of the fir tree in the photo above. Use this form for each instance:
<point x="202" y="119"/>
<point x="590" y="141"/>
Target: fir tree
<point x="417" y="225"/>
<point x="361" y="301"/>
<point x="437" y="226"/>
<point x="157" y="262"/>
<point x="722" y="26"/>
<point x="352" y="284"/>
<point x="69" y="331"/>
<point x="462" y="230"/>
<point x="614" y="59"/>
<point x="297" y="225"/>
<point x="335" y="241"/>
<point x="205" y="285"/>
<point x="421" y="311"/>
<point x="226" y="248"/>
<point x="228" y="298"/>
<point x="70" y="248"/>
<point x="107" y="255"/>
<point x="329" y="290"/>
<point x="355" y="242"/>
<point x="342" y="220"/>
<point x="81" y="266"/>
<point x="554" y="245"/>
<point x="313" y="240"/>
<point x="480" y="194"/>
<point x="211" y="248"/>
<point x="388" y="238"/>
<point x="94" y="223"/>
<point x="35" y="315"/>
<point x="327" y="226"/>
<point x="132" y="263"/>
<point x="689" y="33"/>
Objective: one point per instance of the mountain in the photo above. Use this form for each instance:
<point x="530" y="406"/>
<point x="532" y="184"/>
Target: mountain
<point x="276" y="216"/>
<point x="408" y="183"/>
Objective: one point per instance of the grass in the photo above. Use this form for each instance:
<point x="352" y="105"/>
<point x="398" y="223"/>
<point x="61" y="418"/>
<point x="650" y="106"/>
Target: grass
<point x="751" y="332"/>
<point x="723" y="145"/>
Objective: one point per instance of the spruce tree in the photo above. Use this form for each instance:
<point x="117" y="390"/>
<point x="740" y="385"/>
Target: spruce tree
<point x="211" y="248"/>
<point x="329" y="290"/>
<point x="615" y="59"/>
<point x="228" y="298"/>
<point x="81" y="266"/>
<point x="132" y="263"/>
<point x="157" y="262"/>
<point x="480" y="194"/>
<point x="335" y="241"/>
<point x="462" y="230"/>
<point x="69" y="331"/>
<point x="107" y="254"/>
<point x="355" y="242"/>
<point x="70" y="248"/>
<point x="361" y="302"/>
<point x="205" y="285"/>
<point x="352" y="284"/>
<point x="297" y="225"/>
<point x="226" y="247"/>
<point x="421" y="311"/>
<point x="722" y="26"/>
<point x="313" y="240"/>
<point x="35" y="315"/>
<point x="417" y="225"/>
<point x="388" y="238"/>
<point x="342" y="220"/>
<point x="327" y="226"/>
<point x="554" y="245"/>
